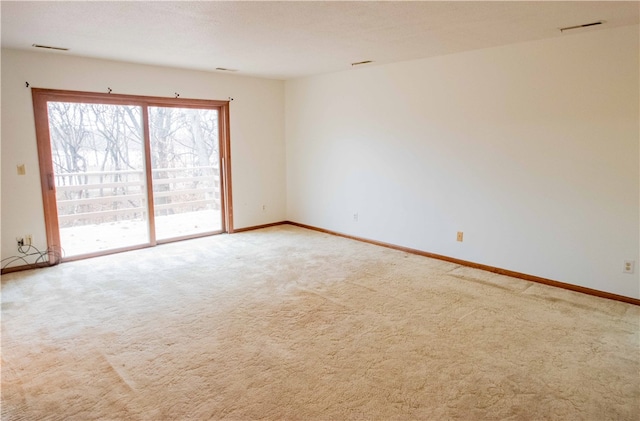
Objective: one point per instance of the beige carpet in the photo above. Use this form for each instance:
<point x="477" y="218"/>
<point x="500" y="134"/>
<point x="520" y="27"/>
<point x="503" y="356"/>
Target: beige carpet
<point x="289" y="324"/>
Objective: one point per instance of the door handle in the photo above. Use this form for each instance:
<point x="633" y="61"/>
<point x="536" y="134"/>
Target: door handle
<point x="50" y="182"/>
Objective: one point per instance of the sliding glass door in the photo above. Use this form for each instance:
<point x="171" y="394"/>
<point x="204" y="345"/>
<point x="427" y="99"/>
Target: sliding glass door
<point x="121" y="172"/>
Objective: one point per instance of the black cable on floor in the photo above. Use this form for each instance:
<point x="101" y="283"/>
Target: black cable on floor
<point x="28" y="252"/>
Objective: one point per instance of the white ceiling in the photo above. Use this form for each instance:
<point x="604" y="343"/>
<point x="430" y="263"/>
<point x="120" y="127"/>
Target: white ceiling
<point x="285" y="40"/>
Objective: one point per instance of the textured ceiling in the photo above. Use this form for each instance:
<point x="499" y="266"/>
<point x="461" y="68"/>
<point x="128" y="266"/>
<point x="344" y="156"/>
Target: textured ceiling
<point x="285" y="40"/>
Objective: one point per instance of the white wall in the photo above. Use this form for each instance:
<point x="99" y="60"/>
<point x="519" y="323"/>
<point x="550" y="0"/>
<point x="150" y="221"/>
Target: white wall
<point x="531" y="149"/>
<point x="257" y="131"/>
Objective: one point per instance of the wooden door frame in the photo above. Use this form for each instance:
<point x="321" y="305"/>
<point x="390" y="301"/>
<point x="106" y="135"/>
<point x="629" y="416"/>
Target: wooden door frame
<point x="41" y="97"/>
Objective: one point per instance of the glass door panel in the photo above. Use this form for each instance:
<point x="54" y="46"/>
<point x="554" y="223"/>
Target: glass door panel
<point x="98" y="169"/>
<point x="185" y="165"/>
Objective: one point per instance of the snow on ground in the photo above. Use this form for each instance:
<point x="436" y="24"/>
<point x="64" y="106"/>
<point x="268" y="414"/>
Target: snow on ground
<point x="110" y="235"/>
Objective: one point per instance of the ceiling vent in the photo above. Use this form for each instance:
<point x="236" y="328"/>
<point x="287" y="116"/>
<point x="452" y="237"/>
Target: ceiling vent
<point x="48" y="47"/>
<point x="586" y="25"/>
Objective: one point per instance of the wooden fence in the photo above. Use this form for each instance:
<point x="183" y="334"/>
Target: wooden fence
<point x="110" y="196"/>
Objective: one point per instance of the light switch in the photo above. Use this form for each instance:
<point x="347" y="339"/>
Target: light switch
<point x="21" y="170"/>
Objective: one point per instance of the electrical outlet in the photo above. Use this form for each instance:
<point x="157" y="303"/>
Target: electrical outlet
<point x="28" y="240"/>
<point x="629" y="266"/>
<point x="20" y="241"/>
<point x="355" y="217"/>
<point x="459" y="236"/>
<point x="264" y="208"/>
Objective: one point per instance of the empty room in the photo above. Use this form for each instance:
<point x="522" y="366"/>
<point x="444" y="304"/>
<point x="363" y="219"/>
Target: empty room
<point x="320" y="210"/>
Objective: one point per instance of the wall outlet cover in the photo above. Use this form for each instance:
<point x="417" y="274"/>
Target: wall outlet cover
<point x="629" y="266"/>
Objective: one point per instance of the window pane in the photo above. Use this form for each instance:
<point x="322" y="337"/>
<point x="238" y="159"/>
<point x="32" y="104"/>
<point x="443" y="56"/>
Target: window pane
<point x="98" y="161"/>
<point x="185" y="169"/>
